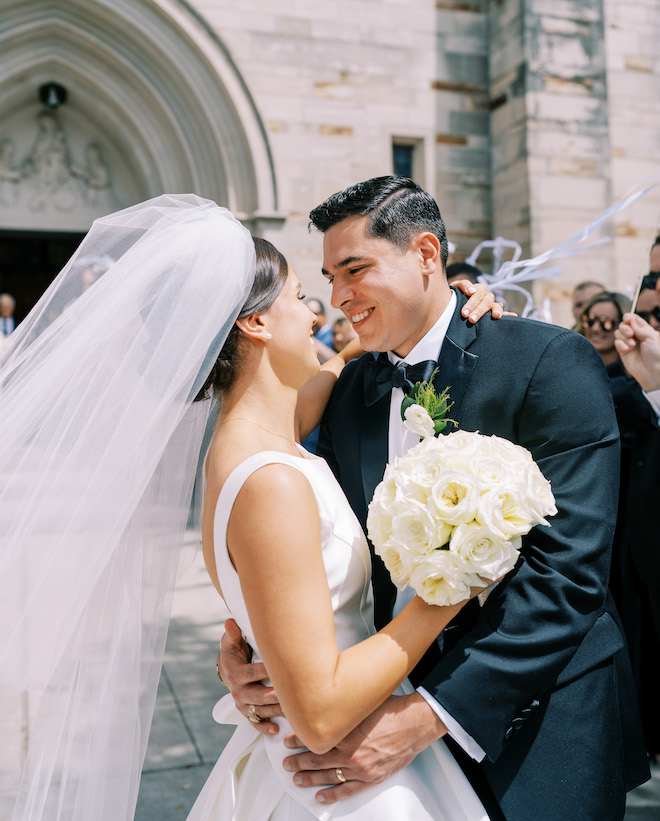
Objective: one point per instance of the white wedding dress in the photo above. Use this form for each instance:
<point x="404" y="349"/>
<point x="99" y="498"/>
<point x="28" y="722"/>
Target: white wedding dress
<point x="249" y="783"/>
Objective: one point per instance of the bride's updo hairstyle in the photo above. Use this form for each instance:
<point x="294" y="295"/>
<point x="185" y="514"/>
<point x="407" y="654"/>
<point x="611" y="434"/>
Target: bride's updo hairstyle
<point x="271" y="273"/>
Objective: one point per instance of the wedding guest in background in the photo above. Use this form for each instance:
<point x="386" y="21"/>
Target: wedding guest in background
<point x="639" y="346"/>
<point x="462" y="270"/>
<point x="322" y="329"/>
<point x="648" y="302"/>
<point x="342" y="333"/>
<point x="598" y="321"/>
<point x="7" y="307"/>
<point x="655" y="255"/>
<point x="582" y="293"/>
<point x="635" y="546"/>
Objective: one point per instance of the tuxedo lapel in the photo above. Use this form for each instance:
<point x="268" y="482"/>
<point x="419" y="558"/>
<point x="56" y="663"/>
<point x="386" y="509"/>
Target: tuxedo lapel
<point x="374" y="445"/>
<point x="456" y="363"/>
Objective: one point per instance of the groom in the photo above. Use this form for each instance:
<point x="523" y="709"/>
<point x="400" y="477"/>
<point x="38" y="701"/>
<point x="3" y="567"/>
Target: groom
<point x="532" y="691"/>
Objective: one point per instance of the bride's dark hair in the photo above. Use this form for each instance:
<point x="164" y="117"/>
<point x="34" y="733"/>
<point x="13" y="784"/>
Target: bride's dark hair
<point x="270" y="275"/>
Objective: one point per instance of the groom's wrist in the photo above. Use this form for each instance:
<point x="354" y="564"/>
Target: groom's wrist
<point x="429" y="725"/>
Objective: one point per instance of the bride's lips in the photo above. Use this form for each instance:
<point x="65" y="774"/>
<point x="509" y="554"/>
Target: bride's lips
<point x="357" y="319"/>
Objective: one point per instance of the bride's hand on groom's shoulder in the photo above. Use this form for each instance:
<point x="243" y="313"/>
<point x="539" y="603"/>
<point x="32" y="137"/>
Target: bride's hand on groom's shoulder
<point x="385" y="742"/>
<point x="480" y="301"/>
<point x="243" y="679"/>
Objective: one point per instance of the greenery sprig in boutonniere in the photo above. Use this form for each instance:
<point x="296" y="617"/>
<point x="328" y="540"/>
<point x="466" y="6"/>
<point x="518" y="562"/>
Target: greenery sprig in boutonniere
<point x="424" y="410"/>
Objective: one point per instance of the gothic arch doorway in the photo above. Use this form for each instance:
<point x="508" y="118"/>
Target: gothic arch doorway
<point x="154" y="103"/>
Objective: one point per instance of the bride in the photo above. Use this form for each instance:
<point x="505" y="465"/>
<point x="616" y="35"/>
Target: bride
<point x="100" y="449"/>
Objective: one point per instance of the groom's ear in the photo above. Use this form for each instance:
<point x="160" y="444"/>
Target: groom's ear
<point x="253" y="327"/>
<point x="427" y="247"/>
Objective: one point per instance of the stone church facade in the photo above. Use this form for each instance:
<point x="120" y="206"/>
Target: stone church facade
<point x="525" y="118"/>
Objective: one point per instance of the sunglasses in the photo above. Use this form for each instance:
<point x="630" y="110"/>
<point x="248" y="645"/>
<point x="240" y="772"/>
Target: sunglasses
<point x="646" y="315"/>
<point x="605" y="322"/>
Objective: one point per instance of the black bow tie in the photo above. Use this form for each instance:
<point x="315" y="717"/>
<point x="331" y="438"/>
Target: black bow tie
<point x="380" y="376"/>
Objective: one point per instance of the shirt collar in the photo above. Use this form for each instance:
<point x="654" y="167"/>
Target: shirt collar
<point x="429" y="345"/>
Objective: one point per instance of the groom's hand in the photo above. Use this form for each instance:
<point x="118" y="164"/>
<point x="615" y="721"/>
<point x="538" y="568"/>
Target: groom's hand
<point x="383" y="743"/>
<point x="243" y="679"/>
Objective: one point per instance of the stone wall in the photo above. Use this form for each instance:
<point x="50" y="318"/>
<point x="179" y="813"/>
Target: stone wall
<point x="632" y="33"/>
<point x="334" y="82"/>
<point x="462" y="183"/>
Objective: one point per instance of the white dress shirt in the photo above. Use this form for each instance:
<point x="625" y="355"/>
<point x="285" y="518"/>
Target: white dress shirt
<point x="654" y="400"/>
<point x="399" y="441"/>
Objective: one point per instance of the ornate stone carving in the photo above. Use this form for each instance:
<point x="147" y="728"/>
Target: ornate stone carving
<point x="48" y="180"/>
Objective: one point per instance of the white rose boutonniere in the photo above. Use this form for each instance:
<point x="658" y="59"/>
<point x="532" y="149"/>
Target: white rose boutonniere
<point x="417" y="420"/>
<point x="452" y="512"/>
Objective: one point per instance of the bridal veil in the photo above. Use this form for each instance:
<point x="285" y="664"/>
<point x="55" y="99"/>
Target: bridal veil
<point x="99" y="448"/>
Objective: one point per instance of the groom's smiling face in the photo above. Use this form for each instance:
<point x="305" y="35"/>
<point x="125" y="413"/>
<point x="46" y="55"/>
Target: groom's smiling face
<point x="388" y="293"/>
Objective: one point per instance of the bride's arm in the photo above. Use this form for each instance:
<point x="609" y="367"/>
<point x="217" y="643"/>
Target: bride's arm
<point x="274" y="540"/>
<point x="314" y="395"/>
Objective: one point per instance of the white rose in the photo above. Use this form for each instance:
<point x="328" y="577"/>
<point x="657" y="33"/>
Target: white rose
<point x="456" y="497"/>
<point x="483" y="552"/>
<point x="491" y="471"/>
<point x="423" y="463"/>
<point x="440" y="578"/>
<point x="516" y="455"/>
<point x="411" y="486"/>
<point x="539" y="494"/>
<point x="399" y="561"/>
<point x="385" y="492"/>
<point x="415" y="526"/>
<point x="505" y="512"/>
<point x="379" y="524"/>
<point x="418" y="421"/>
<point x="465" y="441"/>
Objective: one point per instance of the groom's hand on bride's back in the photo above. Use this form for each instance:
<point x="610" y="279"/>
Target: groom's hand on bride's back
<point x="243" y="679"/>
<point x="384" y="743"/>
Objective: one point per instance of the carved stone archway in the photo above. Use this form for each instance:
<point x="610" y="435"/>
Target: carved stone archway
<point x="155" y="103"/>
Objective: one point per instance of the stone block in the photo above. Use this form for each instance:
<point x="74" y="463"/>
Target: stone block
<point x="565" y="26"/>
<point x="546" y="140"/>
<point x="573" y="166"/>
<point x="628" y="86"/>
<point x="584" y="10"/>
<point x="560" y="191"/>
<point x="468" y="122"/>
<point x="576" y="86"/>
<point x="558" y="107"/>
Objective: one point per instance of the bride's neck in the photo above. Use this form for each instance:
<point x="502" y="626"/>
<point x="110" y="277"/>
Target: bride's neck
<point x="265" y="403"/>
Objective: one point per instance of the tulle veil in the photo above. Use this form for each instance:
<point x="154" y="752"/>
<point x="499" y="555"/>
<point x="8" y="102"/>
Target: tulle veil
<point x="99" y="447"/>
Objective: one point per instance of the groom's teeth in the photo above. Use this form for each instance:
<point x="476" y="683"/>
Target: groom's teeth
<point x="359" y="317"/>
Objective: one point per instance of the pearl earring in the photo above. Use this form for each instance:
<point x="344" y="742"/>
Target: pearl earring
<point x="269" y="336"/>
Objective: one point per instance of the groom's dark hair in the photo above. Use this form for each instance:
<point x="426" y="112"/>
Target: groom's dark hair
<point x="398" y="210"/>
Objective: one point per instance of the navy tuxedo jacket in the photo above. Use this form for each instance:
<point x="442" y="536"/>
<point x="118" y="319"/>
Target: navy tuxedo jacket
<point x="537" y="676"/>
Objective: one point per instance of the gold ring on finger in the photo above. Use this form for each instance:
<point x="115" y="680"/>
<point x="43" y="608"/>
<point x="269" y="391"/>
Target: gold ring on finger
<point x="253" y="716"/>
<point x="340" y="775"/>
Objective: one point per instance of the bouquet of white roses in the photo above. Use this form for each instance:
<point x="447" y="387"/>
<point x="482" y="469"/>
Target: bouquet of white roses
<point x="453" y="510"/>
